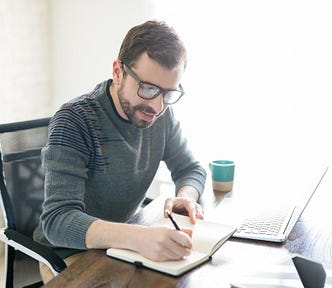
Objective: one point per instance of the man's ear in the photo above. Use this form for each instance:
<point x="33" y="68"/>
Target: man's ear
<point x="117" y="72"/>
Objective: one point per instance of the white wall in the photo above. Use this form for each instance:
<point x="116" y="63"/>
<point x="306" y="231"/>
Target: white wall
<point x="86" y="37"/>
<point x="259" y="77"/>
<point x="25" y="80"/>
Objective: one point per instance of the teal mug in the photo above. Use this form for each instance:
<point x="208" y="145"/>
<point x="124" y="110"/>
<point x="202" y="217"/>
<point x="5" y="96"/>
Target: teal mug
<point x="222" y="172"/>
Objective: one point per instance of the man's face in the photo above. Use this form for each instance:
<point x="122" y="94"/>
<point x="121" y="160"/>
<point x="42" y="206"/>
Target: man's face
<point x="141" y="112"/>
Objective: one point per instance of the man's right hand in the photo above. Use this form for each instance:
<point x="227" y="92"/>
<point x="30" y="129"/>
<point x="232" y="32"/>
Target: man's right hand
<point x="163" y="243"/>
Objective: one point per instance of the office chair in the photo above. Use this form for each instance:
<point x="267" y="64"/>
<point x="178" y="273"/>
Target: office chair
<point x="22" y="193"/>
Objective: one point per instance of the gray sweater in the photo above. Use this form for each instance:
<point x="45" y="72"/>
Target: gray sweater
<point x="99" y="166"/>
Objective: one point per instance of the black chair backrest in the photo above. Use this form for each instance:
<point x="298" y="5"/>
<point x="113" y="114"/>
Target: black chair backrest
<point x="22" y="176"/>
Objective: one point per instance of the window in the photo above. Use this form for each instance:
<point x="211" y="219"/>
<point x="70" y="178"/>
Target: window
<point x="258" y="78"/>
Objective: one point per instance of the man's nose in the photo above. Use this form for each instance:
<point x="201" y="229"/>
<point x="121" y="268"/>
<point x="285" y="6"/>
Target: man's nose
<point x="157" y="103"/>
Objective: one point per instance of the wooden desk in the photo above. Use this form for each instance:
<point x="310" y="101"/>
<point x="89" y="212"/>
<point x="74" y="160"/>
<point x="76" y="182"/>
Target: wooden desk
<point x="312" y="238"/>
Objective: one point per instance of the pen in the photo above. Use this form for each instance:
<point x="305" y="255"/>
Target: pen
<point x="173" y="221"/>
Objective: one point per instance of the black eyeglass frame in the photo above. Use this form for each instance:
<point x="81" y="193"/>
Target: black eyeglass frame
<point x="159" y="89"/>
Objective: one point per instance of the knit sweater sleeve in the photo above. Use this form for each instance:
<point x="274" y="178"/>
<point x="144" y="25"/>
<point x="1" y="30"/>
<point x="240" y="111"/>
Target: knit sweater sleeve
<point x="65" y="159"/>
<point x="185" y="169"/>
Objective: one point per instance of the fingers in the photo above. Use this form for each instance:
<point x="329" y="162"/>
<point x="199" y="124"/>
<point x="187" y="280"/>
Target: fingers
<point x="175" y="252"/>
<point x="188" y="231"/>
<point x="195" y="211"/>
<point x="181" y="242"/>
<point x="178" y="204"/>
<point x="192" y="211"/>
<point x="168" y="206"/>
<point x="168" y="244"/>
<point x="199" y="211"/>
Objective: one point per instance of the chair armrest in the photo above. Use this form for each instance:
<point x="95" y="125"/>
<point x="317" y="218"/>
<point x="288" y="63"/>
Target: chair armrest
<point x="35" y="250"/>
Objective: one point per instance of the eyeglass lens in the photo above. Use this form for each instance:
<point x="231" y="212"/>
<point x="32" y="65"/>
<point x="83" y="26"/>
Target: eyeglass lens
<point x="149" y="91"/>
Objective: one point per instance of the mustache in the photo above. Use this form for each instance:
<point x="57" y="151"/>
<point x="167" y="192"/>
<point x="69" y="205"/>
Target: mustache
<point x="146" y="109"/>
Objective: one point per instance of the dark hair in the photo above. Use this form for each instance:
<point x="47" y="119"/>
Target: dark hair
<point x="158" y="40"/>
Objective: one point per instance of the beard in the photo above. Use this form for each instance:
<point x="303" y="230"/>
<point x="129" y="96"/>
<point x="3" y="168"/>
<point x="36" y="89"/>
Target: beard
<point x="130" y="111"/>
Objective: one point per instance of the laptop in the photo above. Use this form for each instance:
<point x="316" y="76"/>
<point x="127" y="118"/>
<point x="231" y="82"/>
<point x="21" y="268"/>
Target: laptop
<point x="272" y="224"/>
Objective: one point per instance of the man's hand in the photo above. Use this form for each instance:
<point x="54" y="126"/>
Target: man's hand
<point x="155" y="243"/>
<point x="163" y="243"/>
<point x="185" y="202"/>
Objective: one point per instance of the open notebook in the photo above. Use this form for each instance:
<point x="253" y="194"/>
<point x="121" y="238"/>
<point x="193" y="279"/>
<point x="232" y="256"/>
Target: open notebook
<point x="268" y="221"/>
<point x="207" y="238"/>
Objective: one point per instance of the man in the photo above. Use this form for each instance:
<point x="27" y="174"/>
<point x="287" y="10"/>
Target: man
<point x="105" y="147"/>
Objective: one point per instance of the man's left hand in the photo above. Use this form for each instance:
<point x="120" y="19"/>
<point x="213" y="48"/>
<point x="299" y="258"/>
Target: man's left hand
<point x="185" y="202"/>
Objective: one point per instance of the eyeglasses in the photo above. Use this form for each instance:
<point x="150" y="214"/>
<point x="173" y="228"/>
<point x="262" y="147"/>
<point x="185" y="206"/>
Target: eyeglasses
<point x="150" y="91"/>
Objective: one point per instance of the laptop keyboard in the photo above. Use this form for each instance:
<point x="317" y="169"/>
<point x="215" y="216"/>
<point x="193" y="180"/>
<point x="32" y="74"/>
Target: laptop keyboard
<point x="269" y="224"/>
